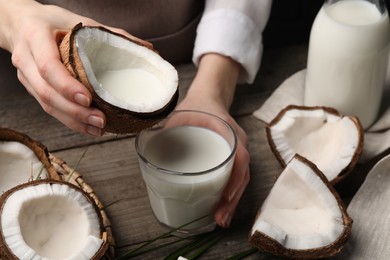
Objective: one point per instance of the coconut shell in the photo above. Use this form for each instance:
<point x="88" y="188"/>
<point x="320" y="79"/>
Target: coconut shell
<point x="38" y="148"/>
<point x="344" y="172"/>
<point x="5" y="251"/>
<point x="71" y="175"/>
<point x="269" y="245"/>
<point x="119" y="120"/>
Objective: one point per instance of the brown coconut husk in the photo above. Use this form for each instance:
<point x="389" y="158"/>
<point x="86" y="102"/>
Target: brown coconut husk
<point x="119" y="120"/>
<point x="6" y="253"/>
<point x="344" y="172"/>
<point x="38" y="148"/>
<point x="70" y="175"/>
<point x="266" y="244"/>
<point x="60" y="172"/>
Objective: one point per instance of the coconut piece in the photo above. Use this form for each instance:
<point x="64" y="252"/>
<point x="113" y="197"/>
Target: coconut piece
<point x="50" y="219"/>
<point x="22" y="159"/>
<point x="130" y="82"/>
<point x="303" y="216"/>
<point x="71" y="175"/>
<point x="321" y="134"/>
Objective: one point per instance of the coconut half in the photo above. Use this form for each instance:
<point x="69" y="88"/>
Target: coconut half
<point x="330" y="140"/>
<point x="22" y="159"/>
<point x="130" y="82"/>
<point x="50" y="220"/>
<point x="303" y="216"/>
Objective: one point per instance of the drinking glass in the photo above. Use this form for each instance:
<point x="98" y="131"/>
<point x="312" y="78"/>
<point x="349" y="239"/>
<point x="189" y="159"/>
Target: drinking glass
<point x="186" y="161"/>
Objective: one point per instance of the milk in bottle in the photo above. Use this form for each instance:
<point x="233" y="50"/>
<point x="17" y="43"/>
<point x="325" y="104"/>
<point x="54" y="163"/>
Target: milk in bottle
<point x="348" y="55"/>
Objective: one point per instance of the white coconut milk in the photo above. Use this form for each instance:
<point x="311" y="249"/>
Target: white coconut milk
<point x="132" y="85"/>
<point x="347" y="62"/>
<point x="179" y="199"/>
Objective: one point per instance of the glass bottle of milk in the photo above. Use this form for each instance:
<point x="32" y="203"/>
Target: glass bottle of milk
<point x="348" y="57"/>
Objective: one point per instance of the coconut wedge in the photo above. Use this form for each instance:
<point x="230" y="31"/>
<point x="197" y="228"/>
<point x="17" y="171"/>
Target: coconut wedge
<point x="49" y="219"/>
<point x="22" y="159"/>
<point x="303" y="216"/>
<point x="330" y="140"/>
<point x="129" y="81"/>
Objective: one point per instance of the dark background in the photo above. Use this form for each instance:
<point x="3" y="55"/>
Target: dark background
<point x="290" y="21"/>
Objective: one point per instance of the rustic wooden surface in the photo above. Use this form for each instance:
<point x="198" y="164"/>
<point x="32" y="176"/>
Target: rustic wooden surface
<point x="110" y="164"/>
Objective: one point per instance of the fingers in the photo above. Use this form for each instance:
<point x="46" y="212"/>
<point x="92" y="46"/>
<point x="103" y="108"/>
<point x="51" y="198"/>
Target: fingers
<point x="239" y="178"/>
<point x="237" y="183"/>
<point x="77" y="117"/>
<point x="51" y="69"/>
<point x="239" y="174"/>
<point x="35" y="55"/>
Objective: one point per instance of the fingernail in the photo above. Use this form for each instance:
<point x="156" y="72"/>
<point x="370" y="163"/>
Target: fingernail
<point x="82" y="99"/>
<point x="95" y="131"/>
<point x="96" y="121"/>
<point x="226" y="220"/>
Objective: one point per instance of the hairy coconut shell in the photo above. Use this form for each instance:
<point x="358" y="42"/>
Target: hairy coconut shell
<point x="269" y="245"/>
<point x="71" y="175"/>
<point x="5" y="251"/>
<point x="355" y="158"/>
<point x="119" y="120"/>
<point x="38" y="148"/>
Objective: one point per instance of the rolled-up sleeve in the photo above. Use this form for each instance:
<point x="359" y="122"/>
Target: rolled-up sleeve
<point x="234" y="28"/>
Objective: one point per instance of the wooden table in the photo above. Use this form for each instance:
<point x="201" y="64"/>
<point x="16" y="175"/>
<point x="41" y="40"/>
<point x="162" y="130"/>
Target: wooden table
<point x="110" y="164"/>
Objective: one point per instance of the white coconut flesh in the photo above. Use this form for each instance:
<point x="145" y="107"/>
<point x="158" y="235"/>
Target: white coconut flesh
<point x="328" y="140"/>
<point x="124" y="73"/>
<point x="300" y="211"/>
<point x="50" y="221"/>
<point x="18" y="164"/>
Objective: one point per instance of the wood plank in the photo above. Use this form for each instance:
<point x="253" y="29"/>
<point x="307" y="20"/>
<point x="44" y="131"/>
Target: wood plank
<point x="277" y="65"/>
<point x="110" y="165"/>
<point x="27" y="116"/>
<point x="21" y="112"/>
<point x="111" y="168"/>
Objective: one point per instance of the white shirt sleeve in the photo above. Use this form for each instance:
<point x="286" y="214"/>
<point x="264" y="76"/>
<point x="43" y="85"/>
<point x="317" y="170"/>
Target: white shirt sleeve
<point x="234" y="28"/>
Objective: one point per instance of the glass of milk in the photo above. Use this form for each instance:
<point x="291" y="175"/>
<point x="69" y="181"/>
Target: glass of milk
<point x="186" y="162"/>
<point x="348" y="57"/>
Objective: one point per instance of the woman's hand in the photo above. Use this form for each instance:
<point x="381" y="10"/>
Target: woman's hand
<point x="212" y="91"/>
<point x="31" y="32"/>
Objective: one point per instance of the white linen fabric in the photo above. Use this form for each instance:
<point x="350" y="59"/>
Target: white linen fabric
<point x="291" y="92"/>
<point x="234" y="29"/>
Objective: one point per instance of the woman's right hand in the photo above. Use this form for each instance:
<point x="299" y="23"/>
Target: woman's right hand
<point x="31" y="32"/>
